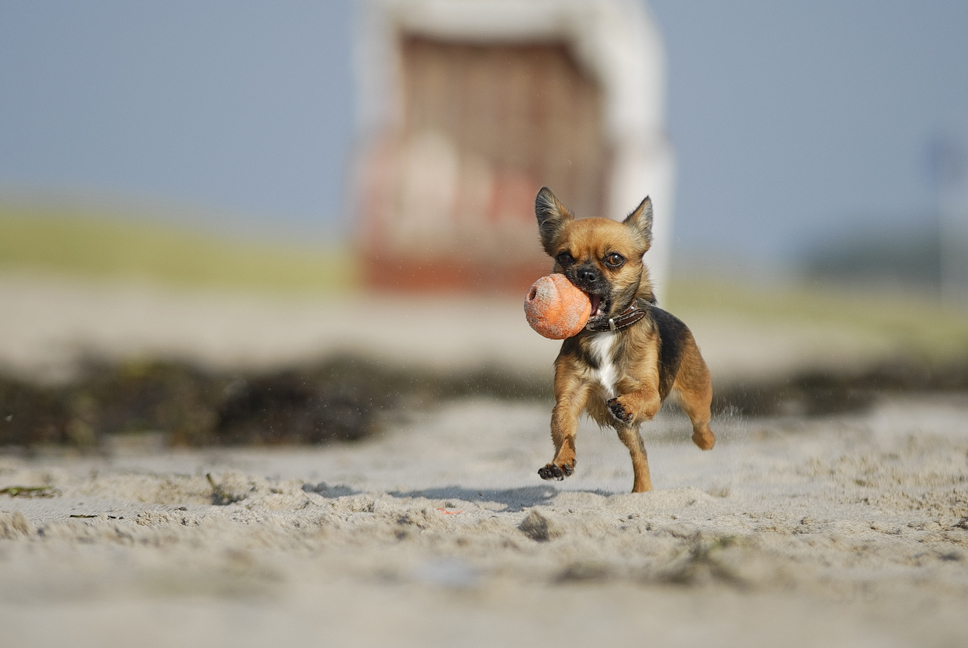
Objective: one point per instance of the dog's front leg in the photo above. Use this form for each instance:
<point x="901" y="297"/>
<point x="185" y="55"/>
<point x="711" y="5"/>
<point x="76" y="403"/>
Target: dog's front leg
<point x="629" y="410"/>
<point x="570" y="398"/>
<point x="636" y="406"/>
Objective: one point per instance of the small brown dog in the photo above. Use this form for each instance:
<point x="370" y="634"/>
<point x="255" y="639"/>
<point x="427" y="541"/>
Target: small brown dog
<point x="631" y="354"/>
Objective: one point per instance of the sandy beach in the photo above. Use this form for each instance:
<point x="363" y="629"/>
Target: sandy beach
<point x="838" y="530"/>
<point x="847" y="531"/>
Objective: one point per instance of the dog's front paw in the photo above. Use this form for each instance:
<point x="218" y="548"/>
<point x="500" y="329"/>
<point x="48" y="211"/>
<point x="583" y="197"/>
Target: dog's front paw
<point x="618" y="411"/>
<point x="556" y="472"/>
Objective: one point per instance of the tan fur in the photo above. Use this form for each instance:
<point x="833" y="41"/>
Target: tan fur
<point x="623" y="389"/>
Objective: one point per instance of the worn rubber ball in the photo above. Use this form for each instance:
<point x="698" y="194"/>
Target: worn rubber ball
<point x="555" y="308"/>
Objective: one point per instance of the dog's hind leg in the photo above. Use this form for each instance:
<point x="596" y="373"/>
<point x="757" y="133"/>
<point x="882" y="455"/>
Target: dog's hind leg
<point x="695" y="396"/>
<point x="640" y="461"/>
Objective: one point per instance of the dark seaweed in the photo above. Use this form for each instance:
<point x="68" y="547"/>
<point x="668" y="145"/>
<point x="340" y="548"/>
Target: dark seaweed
<point x="342" y="399"/>
<point x="347" y="399"/>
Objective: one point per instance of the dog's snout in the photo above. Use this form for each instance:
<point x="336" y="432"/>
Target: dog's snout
<point x="587" y="275"/>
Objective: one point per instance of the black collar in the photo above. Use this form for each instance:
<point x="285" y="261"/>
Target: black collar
<point x="628" y="317"/>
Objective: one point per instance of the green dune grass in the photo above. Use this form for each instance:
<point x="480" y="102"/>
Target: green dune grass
<point x="94" y="244"/>
<point x="914" y="321"/>
<point x="109" y="246"/>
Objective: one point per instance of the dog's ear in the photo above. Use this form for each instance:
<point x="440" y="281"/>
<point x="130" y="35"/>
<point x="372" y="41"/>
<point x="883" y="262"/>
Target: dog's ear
<point x="552" y="218"/>
<point x="640" y="221"/>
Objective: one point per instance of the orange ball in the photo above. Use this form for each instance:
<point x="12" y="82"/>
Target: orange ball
<point x="555" y="308"/>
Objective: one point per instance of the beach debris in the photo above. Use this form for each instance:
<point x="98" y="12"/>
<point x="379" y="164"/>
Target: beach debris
<point x="341" y="399"/>
<point x="539" y="528"/>
<point x="229" y="490"/>
<point x="30" y="491"/>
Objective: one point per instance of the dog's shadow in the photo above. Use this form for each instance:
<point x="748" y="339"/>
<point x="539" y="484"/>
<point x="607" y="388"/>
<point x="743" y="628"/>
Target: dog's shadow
<point x="513" y="499"/>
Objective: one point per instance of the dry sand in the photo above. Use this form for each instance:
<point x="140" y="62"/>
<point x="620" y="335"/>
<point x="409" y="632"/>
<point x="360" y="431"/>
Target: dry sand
<point x="846" y="531"/>
<point x="850" y="530"/>
<point x="48" y="324"/>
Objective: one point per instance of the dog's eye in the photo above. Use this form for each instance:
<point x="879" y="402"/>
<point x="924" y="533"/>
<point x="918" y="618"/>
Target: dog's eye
<point x="614" y="260"/>
<point x="565" y="259"/>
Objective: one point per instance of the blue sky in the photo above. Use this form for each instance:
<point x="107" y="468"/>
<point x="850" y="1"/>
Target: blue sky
<point x="231" y="106"/>
<point x="792" y="121"/>
<point x="795" y="121"/>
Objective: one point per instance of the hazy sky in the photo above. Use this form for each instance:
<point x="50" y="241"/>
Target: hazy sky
<point x="796" y="119"/>
<point x="790" y="120"/>
<point x="238" y="106"/>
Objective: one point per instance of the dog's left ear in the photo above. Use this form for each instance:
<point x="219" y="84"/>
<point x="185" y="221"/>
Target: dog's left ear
<point x="640" y="221"/>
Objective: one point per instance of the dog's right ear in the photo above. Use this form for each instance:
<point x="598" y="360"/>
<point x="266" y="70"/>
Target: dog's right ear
<point x="552" y="218"/>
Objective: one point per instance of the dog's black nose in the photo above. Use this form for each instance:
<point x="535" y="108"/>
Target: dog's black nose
<point x="587" y="275"/>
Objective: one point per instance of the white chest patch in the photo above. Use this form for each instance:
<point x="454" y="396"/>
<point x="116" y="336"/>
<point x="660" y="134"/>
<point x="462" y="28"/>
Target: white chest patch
<point x="607" y="373"/>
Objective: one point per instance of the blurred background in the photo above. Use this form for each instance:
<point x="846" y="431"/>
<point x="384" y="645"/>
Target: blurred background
<point x="232" y="184"/>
